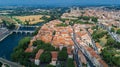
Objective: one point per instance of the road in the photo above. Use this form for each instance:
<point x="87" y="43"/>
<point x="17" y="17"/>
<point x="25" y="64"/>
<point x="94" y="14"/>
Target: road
<point x="81" y="48"/>
<point x="12" y="64"/>
<point x="114" y="36"/>
<point x="93" y="42"/>
<point x="78" y="62"/>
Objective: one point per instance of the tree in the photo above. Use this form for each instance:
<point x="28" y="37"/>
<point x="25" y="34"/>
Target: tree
<point x="117" y="45"/>
<point x="36" y="31"/>
<point x="112" y="30"/>
<point x="11" y="26"/>
<point x="62" y="55"/>
<point x="23" y="43"/>
<point x="33" y="65"/>
<point x="94" y="19"/>
<point x="35" y="43"/>
<point x="110" y="41"/>
<point x="54" y="32"/>
<point x="109" y="56"/>
<point x="116" y="61"/>
<point x="19" y="54"/>
<point x="45" y="57"/>
<point x="118" y="31"/>
<point x="85" y="18"/>
<point x="70" y="63"/>
<point x="64" y="49"/>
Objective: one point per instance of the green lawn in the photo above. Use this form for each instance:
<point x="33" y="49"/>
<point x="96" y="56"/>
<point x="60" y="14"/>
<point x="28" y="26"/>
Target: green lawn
<point x="103" y="41"/>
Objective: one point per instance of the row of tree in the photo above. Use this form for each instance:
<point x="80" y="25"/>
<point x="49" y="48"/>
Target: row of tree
<point x="87" y="18"/>
<point x="9" y="25"/>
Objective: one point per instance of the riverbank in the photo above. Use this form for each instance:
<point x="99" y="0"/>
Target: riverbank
<point x="6" y="36"/>
<point x="4" y="33"/>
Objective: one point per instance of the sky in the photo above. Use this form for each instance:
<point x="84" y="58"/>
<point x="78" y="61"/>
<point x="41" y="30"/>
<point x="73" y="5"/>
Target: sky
<point x="59" y="2"/>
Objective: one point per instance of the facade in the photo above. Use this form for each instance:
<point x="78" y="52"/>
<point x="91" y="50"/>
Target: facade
<point x="54" y="57"/>
<point x="69" y="51"/>
<point x="37" y="61"/>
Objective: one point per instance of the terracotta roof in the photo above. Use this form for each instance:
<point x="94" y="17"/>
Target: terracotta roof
<point x="82" y="57"/>
<point x="92" y="52"/>
<point x="29" y="49"/>
<point x="98" y="45"/>
<point x="103" y="63"/>
<point x="39" y="53"/>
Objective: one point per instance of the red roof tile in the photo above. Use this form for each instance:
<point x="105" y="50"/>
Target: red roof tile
<point x="39" y="53"/>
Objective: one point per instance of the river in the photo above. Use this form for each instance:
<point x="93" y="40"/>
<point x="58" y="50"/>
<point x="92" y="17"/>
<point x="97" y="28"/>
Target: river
<point x="8" y="44"/>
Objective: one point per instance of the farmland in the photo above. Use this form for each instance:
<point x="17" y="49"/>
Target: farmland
<point x="31" y="19"/>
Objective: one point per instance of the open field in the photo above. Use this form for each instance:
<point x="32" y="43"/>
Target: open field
<point x="31" y="19"/>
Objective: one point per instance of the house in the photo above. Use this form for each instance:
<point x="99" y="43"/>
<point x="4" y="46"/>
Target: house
<point x="99" y="47"/>
<point x="69" y="51"/>
<point x="54" y="57"/>
<point x="37" y="61"/>
<point x="82" y="58"/>
<point x="29" y="49"/>
<point x="96" y="59"/>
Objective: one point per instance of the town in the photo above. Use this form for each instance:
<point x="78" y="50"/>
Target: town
<point x="79" y="37"/>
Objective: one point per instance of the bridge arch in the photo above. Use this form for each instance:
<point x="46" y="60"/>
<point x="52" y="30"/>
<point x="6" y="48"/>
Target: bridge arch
<point x="23" y="32"/>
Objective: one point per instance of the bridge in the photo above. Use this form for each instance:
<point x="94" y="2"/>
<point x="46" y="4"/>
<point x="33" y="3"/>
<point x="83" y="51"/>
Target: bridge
<point x="23" y="31"/>
<point x="9" y="63"/>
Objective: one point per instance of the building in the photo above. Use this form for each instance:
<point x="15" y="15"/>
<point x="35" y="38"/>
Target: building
<point x="54" y="57"/>
<point x="69" y="51"/>
<point x="99" y="47"/>
<point x="37" y="61"/>
<point x="82" y="58"/>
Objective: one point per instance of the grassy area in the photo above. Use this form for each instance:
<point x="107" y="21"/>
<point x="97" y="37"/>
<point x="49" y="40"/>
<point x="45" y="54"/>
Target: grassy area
<point x="103" y="40"/>
<point x="62" y="25"/>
